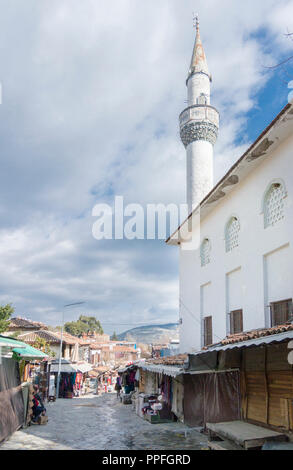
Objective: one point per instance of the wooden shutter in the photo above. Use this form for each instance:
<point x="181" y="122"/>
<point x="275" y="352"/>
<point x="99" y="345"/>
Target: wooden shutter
<point x="281" y="312"/>
<point x="236" y="321"/>
<point x="208" y="331"/>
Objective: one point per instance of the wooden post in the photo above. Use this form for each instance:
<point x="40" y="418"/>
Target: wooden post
<point x="266" y="386"/>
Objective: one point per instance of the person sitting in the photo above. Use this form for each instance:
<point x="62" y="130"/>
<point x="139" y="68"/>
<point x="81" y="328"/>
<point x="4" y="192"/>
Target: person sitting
<point x="38" y="406"/>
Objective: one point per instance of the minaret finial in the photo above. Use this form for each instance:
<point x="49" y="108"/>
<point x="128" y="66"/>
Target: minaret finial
<point x="196" y="22"/>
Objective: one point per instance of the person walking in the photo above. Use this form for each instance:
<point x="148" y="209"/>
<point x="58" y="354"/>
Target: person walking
<point x="118" y="387"/>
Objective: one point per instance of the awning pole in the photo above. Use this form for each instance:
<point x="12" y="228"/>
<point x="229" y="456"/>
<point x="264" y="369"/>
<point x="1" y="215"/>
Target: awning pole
<point x="60" y="358"/>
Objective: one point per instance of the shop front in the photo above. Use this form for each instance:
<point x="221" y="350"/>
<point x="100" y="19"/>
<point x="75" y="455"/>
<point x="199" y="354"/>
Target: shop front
<point x="248" y="377"/>
<point x="73" y="377"/>
<point x="159" y="397"/>
<point x="15" y="356"/>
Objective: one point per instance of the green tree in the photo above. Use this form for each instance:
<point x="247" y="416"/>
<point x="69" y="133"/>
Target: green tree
<point x="44" y="346"/>
<point x="5" y="313"/>
<point x="84" y="324"/>
<point x="114" y="337"/>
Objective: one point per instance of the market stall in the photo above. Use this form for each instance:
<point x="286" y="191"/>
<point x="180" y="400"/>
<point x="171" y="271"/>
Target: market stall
<point x="159" y="397"/>
<point x="68" y="375"/>
<point x="72" y="377"/>
<point x="14" y="395"/>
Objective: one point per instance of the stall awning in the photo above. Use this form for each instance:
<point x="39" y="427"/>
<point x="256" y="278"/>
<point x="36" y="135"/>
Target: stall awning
<point x="207" y="359"/>
<point x="84" y="367"/>
<point x="7" y="342"/>
<point x="29" y="353"/>
<point x="171" y="371"/>
<point x="276" y="338"/>
<point x="66" y="367"/>
<point x="21" y="349"/>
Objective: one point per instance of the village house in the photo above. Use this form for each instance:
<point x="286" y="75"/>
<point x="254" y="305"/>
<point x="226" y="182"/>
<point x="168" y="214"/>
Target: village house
<point x="113" y="354"/>
<point x="70" y="344"/>
<point x="21" y="325"/>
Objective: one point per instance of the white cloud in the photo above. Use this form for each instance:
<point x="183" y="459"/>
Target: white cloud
<point x="91" y="97"/>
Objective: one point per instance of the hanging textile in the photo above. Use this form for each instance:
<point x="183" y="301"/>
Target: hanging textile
<point x="11" y="398"/>
<point x="177" y="399"/>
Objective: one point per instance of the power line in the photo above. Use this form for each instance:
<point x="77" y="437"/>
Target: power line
<point x="198" y="321"/>
<point x="195" y="318"/>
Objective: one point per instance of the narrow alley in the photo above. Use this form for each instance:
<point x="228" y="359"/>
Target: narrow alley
<point x="102" y="423"/>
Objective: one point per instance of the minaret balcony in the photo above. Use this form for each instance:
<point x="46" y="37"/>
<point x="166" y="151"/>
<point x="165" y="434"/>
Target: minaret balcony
<point x="199" y="122"/>
<point x="199" y="112"/>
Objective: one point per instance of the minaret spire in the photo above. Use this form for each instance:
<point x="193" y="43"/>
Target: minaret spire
<point x="198" y="60"/>
<point x="199" y="124"/>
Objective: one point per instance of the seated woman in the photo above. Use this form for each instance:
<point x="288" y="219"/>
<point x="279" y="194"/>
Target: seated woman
<point x="38" y="406"/>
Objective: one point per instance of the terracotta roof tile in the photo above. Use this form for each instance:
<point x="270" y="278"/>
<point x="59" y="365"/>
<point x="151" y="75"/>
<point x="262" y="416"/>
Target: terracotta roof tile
<point x="49" y="336"/>
<point x="237" y="338"/>
<point x="19" y="322"/>
<point x="177" y="360"/>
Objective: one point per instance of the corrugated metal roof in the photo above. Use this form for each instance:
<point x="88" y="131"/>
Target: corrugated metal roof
<point x="65" y="367"/>
<point x="259" y="333"/>
<point x="171" y="371"/>
<point x="287" y="335"/>
<point x="84" y="367"/>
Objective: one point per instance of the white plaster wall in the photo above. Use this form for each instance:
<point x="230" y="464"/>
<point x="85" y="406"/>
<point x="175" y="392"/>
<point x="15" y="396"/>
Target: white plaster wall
<point x="245" y="201"/>
<point x="235" y="291"/>
<point x="197" y="84"/>
<point x="277" y="285"/>
<point x="56" y="350"/>
<point x="199" y="171"/>
<point x="189" y="287"/>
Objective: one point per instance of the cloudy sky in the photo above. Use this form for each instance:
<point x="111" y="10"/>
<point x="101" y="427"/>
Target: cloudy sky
<point x="91" y="93"/>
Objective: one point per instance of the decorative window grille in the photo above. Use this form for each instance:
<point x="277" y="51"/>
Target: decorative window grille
<point x="236" y="322"/>
<point x="205" y="252"/>
<point x="232" y="234"/>
<point x="274" y="205"/>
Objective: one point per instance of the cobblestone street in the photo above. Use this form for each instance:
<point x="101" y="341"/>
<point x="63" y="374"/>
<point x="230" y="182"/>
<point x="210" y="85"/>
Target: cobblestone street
<point x="102" y="423"/>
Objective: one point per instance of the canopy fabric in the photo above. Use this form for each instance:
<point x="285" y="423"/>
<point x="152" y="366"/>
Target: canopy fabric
<point x="11" y="398"/>
<point x="29" y="352"/>
<point x="171" y="371"/>
<point x="21" y="349"/>
<point x="84" y="367"/>
<point x="10" y="343"/>
<point x="65" y="368"/>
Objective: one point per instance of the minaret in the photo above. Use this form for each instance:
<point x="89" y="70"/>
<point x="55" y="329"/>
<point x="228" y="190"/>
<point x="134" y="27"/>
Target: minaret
<point x="199" y="125"/>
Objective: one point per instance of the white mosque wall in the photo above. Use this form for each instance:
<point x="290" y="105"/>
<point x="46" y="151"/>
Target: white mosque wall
<point x="255" y="273"/>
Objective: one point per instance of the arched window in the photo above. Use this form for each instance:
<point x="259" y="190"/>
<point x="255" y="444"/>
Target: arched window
<point x="202" y="99"/>
<point x="274" y="204"/>
<point x="232" y="234"/>
<point x="205" y="252"/>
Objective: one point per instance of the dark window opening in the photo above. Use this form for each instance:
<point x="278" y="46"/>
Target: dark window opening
<point x="236" y="322"/>
<point x="208" y="331"/>
<point x="281" y="312"/>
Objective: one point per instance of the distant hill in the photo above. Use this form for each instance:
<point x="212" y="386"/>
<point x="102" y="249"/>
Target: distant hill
<point x="151" y="333"/>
